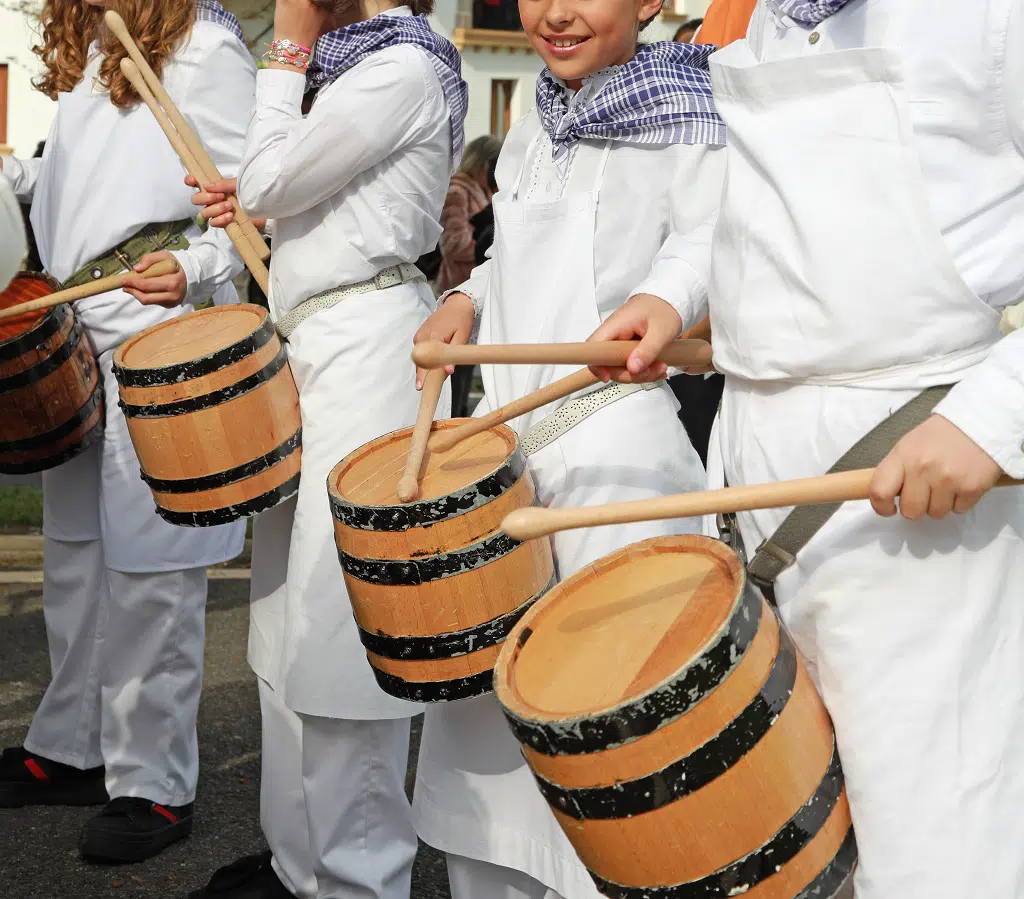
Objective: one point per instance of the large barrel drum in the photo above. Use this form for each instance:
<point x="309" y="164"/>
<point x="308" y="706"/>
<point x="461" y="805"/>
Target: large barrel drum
<point x="435" y="585"/>
<point x="673" y="729"/>
<point x="51" y="392"/>
<point x="213" y="414"/>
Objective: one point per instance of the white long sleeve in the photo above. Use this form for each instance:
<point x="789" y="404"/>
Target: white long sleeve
<point x="21" y="175"/>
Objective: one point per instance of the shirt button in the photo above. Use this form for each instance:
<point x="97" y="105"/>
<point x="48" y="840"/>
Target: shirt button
<point x="814" y="38"/>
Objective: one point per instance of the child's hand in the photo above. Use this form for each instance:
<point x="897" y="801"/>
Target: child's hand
<point x="651" y="319"/>
<point x="217" y="208"/>
<point x="934" y="470"/>
<point x="451" y="323"/>
<point x="164" y="290"/>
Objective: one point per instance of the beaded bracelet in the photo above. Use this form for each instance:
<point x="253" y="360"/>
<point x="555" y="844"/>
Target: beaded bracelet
<point x="289" y="47"/>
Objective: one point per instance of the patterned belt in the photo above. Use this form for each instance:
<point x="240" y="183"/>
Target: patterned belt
<point x="388" y="277"/>
<point x="564" y="419"/>
<point x="123" y="257"/>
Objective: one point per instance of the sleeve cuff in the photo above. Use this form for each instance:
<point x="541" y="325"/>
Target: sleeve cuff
<point x="275" y="87"/>
<point x="193" y="277"/>
<point x="14" y="172"/>
<point x="988" y="406"/>
<point x="682" y="288"/>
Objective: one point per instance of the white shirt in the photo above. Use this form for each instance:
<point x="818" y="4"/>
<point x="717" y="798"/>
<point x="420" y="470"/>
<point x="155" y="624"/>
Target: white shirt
<point x="965" y="85"/>
<point x="12" y="235"/>
<point x="358" y="184"/>
<point x="648" y="193"/>
<point x="106" y="172"/>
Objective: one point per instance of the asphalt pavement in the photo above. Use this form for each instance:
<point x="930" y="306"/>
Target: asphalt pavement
<point x="38" y="846"/>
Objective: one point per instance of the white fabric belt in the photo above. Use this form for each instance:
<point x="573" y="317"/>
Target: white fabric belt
<point x="385" y="278"/>
<point x="564" y="419"/>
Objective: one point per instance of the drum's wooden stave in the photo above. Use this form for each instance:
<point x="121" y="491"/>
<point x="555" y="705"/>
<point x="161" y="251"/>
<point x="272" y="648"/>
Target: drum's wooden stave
<point x="217" y="428"/>
<point x="435" y="586"/>
<point x="717" y="778"/>
<point x="51" y="393"/>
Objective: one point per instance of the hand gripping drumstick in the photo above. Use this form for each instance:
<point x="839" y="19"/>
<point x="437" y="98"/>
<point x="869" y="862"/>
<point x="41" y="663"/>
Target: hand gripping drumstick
<point x="409" y="485"/>
<point x="205" y="170"/>
<point x="93" y="288"/>
<point x="527" y="524"/>
<point x="563" y="387"/>
<point x="680" y="353"/>
<point x="234" y="230"/>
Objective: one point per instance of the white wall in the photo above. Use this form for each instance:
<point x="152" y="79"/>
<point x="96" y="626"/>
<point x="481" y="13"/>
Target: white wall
<point x="29" y="113"/>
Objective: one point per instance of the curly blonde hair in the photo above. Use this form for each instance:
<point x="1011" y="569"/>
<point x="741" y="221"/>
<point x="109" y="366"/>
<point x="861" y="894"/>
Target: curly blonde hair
<point x="70" y="26"/>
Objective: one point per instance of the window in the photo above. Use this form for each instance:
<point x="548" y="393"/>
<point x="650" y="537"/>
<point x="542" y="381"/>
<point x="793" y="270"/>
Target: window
<point x="496" y="15"/>
<point x="501" y="107"/>
<point x="3" y="103"/>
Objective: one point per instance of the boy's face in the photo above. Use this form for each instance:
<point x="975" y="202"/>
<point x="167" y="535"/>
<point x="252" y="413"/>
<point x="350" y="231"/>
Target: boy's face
<point x="576" y="38"/>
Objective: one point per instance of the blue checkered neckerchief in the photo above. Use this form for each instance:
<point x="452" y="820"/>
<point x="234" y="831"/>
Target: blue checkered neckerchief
<point x="212" y="11"/>
<point x="809" y="12"/>
<point x="661" y="96"/>
<point x="338" y="51"/>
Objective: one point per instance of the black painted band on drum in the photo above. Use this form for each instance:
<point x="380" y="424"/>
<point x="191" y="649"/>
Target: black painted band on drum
<point x="46" y="366"/>
<point x="433" y="511"/>
<point x="229" y="476"/>
<point x="746" y="873"/>
<point x="208" y="400"/>
<point x="227" y="514"/>
<point x="29" y="340"/>
<point x="90" y="437"/>
<point x="409" y="572"/>
<point x="453" y="644"/>
<point x="196" y="368"/>
<point x="38" y="441"/>
<point x="684" y="776"/>
<point x="835" y="875"/>
<point x="436" y="691"/>
<point x="651" y="711"/>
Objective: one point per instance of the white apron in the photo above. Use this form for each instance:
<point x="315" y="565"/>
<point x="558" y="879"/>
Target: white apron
<point x="834" y="300"/>
<point x="71" y="230"/>
<point x="474" y="795"/>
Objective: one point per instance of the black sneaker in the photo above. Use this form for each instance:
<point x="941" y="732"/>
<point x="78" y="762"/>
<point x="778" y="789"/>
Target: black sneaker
<point x="27" y="779"/>
<point x="133" y="829"/>
<point x="251" y="877"/>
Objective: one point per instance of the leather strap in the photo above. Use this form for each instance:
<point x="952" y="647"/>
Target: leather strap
<point x="779" y="551"/>
<point x="388" y="277"/>
<point x="149" y="239"/>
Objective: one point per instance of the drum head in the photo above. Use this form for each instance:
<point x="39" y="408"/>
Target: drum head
<point x="620" y="627"/>
<point x="196" y="335"/>
<point x="25" y="287"/>
<point x="369" y="477"/>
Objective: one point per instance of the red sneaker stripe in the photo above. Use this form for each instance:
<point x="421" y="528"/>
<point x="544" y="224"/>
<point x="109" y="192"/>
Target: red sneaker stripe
<point x="160" y="810"/>
<point x="37" y="772"/>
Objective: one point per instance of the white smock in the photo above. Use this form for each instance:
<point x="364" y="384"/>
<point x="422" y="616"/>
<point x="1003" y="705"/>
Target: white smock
<point x="869" y="233"/>
<point x="12" y="235"/>
<point x="569" y="246"/>
<point x="106" y="173"/>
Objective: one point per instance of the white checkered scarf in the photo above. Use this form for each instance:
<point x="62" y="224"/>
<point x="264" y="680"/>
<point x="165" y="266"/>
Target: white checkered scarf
<point x="661" y="96"/>
<point x="212" y="11"/>
<point x="338" y="51"/>
<point x="809" y="12"/>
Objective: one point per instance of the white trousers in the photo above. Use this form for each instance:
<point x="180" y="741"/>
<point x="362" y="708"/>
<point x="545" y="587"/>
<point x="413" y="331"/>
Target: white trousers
<point x="472" y="879"/>
<point x="126" y="655"/>
<point x="333" y="804"/>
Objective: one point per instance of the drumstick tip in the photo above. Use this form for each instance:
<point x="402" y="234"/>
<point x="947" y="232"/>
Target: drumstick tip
<point x="408" y="489"/>
<point x="114" y="22"/>
<point x="129" y="69"/>
<point x="429" y="354"/>
<point x="525" y="524"/>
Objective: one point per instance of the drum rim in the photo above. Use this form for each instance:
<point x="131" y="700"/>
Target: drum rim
<point x="394" y="517"/>
<point x="51" y="321"/>
<point x="637" y="716"/>
<point x="177" y="372"/>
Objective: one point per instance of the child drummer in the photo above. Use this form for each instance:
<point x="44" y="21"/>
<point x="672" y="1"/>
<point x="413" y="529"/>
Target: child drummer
<point x="583" y="207"/>
<point x="355" y="189"/>
<point x="870" y="239"/>
<point x="124" y="592"/>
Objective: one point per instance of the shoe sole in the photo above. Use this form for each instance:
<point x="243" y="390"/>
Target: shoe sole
<point x="20" y="795"/>
<point x="107" y="848"/>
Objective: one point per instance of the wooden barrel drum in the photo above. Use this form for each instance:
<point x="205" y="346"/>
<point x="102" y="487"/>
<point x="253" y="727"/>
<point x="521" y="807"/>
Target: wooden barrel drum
<point x="673" y="729"/>
<point x="435" y="585"/>
<point x="51" y="392"/>
<point x="213" y="413"/>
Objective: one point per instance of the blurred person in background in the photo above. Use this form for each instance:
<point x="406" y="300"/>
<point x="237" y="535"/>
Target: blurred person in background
<point x="687" y="31"/>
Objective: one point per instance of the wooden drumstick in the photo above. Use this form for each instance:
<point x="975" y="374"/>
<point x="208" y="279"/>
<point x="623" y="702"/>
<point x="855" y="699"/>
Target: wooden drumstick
<point x="528" y="524"/>
<point x="93" y="288"/>
<point x="244" y="247"/>
<point x="206" y="168"/>
<point x="680" y="354"/>
<point x="409" y="485"/>
<point x="563" y="387"/>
